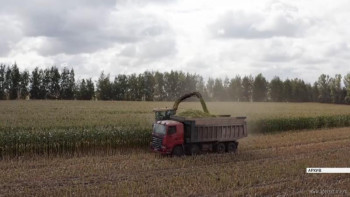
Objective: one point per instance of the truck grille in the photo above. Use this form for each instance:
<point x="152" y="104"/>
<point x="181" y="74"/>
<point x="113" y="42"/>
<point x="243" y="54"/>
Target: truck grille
<point x="157" y="142"/>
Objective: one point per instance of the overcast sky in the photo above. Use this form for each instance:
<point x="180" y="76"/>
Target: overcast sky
<point x="212" y="38"/>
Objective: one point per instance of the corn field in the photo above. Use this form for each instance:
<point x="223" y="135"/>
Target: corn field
<point x="300" y="123"/>
<point x="59" y="141"/>
<point x="74" y="127"/>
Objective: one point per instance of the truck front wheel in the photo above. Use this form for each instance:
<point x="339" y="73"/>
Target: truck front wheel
<point x="178" y="151"/>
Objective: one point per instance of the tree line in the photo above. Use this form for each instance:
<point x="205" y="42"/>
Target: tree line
<point x="51" y="83"/>
<point x="47" y="83"/>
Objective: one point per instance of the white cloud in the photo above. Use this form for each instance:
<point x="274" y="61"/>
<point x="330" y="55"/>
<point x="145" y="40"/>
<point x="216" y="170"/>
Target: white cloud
<point x="278" y="19"/>
<point x="212" y="38"/>
<point x="10" y="34"/>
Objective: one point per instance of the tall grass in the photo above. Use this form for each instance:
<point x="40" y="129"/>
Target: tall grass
<point x="16" y="142"/>
<point x="69" y="127"/>
<point x="300" y="123"/>
<point x="58" y="141"/>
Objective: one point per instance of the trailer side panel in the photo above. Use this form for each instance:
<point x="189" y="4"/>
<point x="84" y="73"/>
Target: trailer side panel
<point x="219" y="133"/>
<point x="215" y="129"/>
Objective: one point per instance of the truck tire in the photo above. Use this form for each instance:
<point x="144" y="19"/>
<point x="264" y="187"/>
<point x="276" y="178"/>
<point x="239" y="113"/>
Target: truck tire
<point x="220" y="148"/>
<point x="178" y="151"/>
<point x="195" y="149"/>
<point x="231" y="147"/>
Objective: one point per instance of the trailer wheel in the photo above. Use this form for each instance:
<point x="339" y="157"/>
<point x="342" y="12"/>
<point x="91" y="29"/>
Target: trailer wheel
<point x="178" y="151"/>
<point x="231" y="147"/>
<point x="220" y="148"/>
<point x="194" y="149"/>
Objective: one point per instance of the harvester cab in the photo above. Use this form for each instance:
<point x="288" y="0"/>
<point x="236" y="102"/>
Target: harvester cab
<point x="165" y="113"/>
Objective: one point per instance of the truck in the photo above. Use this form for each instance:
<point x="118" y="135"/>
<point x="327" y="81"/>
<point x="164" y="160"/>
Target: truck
<point x="176" y="135"/>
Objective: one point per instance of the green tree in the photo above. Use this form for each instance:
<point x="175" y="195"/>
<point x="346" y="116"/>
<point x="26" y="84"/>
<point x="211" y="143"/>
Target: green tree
<point x="71" y="86"/>
<point x="324" y="89"/>
<point x="45" y="75"/>
<point x="218" y="90"/>
<point x="309" y="90"/>
<point x="247" y="85"/>
<point x="287" y="91"/>
<point x="336" y="89"/>
<point x="133" y="85"/>
<point x="276" y="89"/>
<point x="116" y="89"/>
<point x="2" y="81"/>
<point x="120" y="87"/>
<point x="260" y="88"/>
<point x="159" y="91"/>
<point x="90" y="89"/>
<point x="189" y="83"/>
<point x="227" y="91"/>
<point x="347" y="88"/>
<point x="140" y="96"/>
<point x="299" y="91"/>
<point x="210" y="88"/>
<point x="148" y="86"/>
<point x="343" y="95"/>
<point x="104" y="87"/>
<point x="200" y="87"/>
<point x="67" y="84"/>
<point x="172" y="87"/>
<point x="82" y="93"/>
<point x="54" y="83"/>
<point x="236" y="89"/>
<point x="8" y="82"/>
<point x="35" y="83"/>
<point x="24" y="84"/>
<point x="315" y="92"/>
<point x="15" y="82"/>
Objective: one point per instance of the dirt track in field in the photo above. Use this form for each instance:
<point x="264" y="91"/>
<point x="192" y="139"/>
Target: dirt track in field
<point x="264" y="165"/>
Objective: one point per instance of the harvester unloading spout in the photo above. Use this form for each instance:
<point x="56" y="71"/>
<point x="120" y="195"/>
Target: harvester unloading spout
<point x="164" y="114"/>
<point x="197" y="94"/>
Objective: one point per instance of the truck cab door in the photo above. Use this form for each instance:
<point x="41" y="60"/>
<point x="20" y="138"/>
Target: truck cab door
<point x="174" y="136"/>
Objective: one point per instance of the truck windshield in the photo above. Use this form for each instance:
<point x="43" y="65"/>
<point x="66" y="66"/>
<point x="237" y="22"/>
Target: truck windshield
<point x="159" y="129"/>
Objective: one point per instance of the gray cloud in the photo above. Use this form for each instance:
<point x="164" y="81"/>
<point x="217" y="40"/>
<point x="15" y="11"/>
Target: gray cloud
<point x="278" y="20"/>
<point x="285" y="72"/>
<point x="158" y="48"/>
<point x="279" y="57"/>
<point x="10" y="34"/>
<point x="82" y="26"/>
<point x="148" y="51"/>
<point x="281" y="50"/>
<point x="339" y="49"/>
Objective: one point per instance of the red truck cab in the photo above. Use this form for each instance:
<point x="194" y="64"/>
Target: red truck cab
<point x="166" y="135"/>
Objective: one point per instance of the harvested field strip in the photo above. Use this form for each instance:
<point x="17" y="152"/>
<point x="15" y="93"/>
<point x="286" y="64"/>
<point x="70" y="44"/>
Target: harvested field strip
<point x="276" y="169"/>
<point x="244" y="159"/>
<point x="288" y="187"/>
